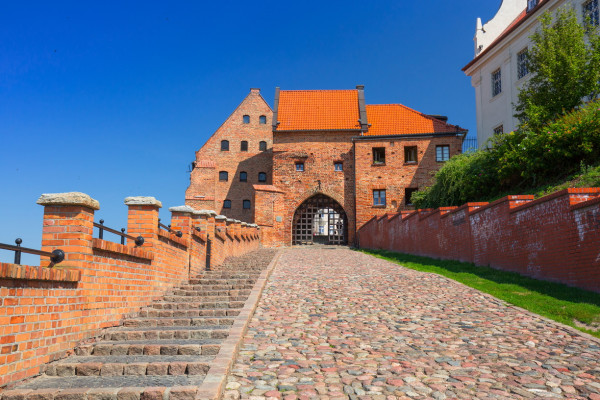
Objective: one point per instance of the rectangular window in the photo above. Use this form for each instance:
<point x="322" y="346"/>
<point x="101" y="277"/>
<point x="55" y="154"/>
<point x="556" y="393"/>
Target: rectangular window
<point x="522" y="69"/>
<point x="408" y="192"/>
<point x="321" y="229"/>
<point x="378" y="155"/>
<point x="499" y="130"/>
<point x="591" y="14"/>
<point x="496" y="82"/>
<point x="338" y="166"/>
<point x="300" y="166"/>
<point x="410" y="154"/>
<point x="531" y="4"/>
<point x="442" y="153"/>
<point x="379" y="197"/>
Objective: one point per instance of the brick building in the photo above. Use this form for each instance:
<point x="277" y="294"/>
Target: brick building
<point x="319" y="165"/>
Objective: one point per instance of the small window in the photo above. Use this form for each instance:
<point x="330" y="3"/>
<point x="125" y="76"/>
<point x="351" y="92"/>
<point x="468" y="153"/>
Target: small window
<point x="591" y="14"/>
<point x="246" y="204"/>
<point x="378" y="155"/>
<point x="496" y="82"/>
<point x="224" y="145"/>
<point x="442" y="153"/>
<point x="243" y="177"/>
<point x="408" y="192"/>
<point x="244" y="146"/>
<point x="246" y="119"/>
<point x="499" y="130"/>
<point x="262" y="146"/>
<point x="300" y="166"/>
<point x="522" y="69"/>
<point x="227" y="204"/>
<point x="410" y="154"/>
<point x="262" y="119"/>
<point x="338" y="166"/>
<point x="223" y="176"/>
<point x="379" y="197"/>
<point x="262" y="177"/>
<point x="531" y="4"/>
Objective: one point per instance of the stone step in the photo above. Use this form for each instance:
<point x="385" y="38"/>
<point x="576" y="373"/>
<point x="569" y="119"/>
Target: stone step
<point x="207" y="312"/>
<point x="222" y="281"/>
<point x="229" y="275"/>
<point x="167" y="332"/>
<point x="130" y="365"/>
<point x="197" y="321"/>
<point x="167" y="305"/>
<point x="230" y="292"/>
<point x="215" y="287"/>
<point x="202" y="299"/>
<point x="150" y="347"/>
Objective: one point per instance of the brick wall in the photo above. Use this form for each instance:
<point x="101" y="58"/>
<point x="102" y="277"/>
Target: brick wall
<point x="553" y="238"/>
<point x="206" y="190"/>
<point x="45" y="312"/>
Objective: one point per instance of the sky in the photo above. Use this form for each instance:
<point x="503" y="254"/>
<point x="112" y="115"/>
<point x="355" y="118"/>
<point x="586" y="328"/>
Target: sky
<point x="112" y="99"/>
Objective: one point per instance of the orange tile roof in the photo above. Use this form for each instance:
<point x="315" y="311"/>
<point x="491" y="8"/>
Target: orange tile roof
<point x="396" y="119"/>
<point x="313" y="110"/>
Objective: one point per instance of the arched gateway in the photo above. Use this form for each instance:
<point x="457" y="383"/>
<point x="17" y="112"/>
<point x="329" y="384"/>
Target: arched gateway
<point x="320" y="219"/>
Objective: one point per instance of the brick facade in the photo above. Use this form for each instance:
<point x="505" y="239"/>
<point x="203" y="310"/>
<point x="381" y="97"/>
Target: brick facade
<point x="317" y="129"/>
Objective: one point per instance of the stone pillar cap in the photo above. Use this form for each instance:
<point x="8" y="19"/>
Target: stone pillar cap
<point x="68" y="199"/>
<point x="205" y="212"/>
<point x="221" y="218"/>
<point x="244" y="224"/>
<point x="230" y="220"/>
<point x="142" y="201"/>
<point x="183" y="209"/>
<point x="237" y="221"/>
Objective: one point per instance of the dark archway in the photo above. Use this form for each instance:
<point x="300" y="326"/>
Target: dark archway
<point x="320" y="219"/>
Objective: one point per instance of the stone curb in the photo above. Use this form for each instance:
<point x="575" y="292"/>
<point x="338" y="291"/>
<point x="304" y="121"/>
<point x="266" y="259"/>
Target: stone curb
<point x="214" y="382"/>
<point x="562" y="326"/>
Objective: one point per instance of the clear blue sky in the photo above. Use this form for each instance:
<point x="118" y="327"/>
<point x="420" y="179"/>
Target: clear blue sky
<point x="113" y="98"/>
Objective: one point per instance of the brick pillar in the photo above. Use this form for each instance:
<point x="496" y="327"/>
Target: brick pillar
<point x="220" y="244"/>
<point x="69" y="226"/>
<point x="206" y="221"/>
<point x="181" y="219"/>
<point x="142" y="219"/>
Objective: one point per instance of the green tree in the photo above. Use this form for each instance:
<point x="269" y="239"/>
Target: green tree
<point x="565" y="64"/>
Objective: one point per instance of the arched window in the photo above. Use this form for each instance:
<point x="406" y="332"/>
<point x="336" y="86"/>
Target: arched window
<point x="243" y="176"/>
<point x="262" y="119"/>
<point x="262" y="177"/>
<point x="227" y="204"/>
<point x="244" y="146"/>
<point x="246" y="204"/>
<point x="262" y="146"/>
<point x="223" y="176"/>
<point x="224" y="145"/>
<point x="246" y="119"/>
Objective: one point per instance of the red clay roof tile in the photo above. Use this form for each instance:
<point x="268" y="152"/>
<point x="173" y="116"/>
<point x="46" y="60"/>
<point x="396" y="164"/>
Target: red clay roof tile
<point x="396" y="119"/>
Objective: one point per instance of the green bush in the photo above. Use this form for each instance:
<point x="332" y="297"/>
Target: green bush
<point x="518" y="161"/>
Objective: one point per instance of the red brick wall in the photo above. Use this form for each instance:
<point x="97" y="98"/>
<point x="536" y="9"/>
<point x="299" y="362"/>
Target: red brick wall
<point x="553" y="238"/>
<point x="46" y="312"/>
<point x="206" y="191"/>
<point x="395" y="175"/>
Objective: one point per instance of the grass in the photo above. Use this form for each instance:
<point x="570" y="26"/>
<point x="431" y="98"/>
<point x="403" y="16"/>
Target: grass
<point x="571" y="306"/>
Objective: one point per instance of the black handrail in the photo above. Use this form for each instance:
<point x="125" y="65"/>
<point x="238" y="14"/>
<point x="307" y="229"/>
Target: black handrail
<point x="168" y="228"/>
<point x="56" y="256"/>
<point x="101" y="228"/>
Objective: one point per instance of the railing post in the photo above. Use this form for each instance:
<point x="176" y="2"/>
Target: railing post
<point x="142" y="218"/>
<point x="69" y="225"/>
<point x="18" y="253"/>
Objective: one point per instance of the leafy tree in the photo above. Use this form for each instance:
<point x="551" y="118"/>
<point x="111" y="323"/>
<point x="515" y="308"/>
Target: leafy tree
<point x="565" y="65"/>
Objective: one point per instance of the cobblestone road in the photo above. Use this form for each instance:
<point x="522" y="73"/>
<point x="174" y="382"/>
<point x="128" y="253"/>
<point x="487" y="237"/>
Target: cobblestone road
<point x="338" y="324"/>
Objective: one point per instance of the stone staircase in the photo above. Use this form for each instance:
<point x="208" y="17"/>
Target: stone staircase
<point x="164" y="352"/>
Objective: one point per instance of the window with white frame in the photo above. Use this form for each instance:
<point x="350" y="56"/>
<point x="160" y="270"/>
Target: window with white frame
<point x="522" y="69"/>
<point x="496" y="82"/>
<point x="591" y="13"/>
<point x="499" y="130"/>
<point x="442" y="153"/>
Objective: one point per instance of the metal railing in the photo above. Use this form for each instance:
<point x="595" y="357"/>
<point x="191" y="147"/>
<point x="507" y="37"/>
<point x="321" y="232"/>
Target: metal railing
<point x="469" y="145"/>
<point x="56" y="256"/>
<point x="101" y="228"/>
<point x="168" y="229"/>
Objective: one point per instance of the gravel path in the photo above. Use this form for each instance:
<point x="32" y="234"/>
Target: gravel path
<point x="338" y="324"/>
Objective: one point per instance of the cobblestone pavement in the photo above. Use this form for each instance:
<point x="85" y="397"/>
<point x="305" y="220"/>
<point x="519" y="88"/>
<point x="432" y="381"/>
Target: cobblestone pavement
<point x="338" y="324"/>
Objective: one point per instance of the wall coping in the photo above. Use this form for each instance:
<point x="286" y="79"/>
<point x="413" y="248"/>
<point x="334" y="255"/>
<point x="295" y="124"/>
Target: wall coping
<point x="68" y="199"/>
<point x="505" y="199"/>
<point x="205" y="212"/>
<point x="27" y="272"/>
<point x="182" y="209"/>
<point x="171" y="236"/>
<point x="142" y="201"/>
<point x="118" y="248"/>
<point x="585" y="204"/>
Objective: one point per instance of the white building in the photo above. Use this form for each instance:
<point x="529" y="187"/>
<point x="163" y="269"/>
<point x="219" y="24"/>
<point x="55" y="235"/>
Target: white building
<point x="497" y="72"/>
